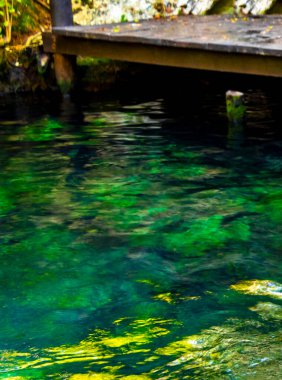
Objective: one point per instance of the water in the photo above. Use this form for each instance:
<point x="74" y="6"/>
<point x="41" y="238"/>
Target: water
<point x="138" y="242"/>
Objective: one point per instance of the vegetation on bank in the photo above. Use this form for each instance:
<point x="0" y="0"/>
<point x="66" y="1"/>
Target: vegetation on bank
<point x="21" y="18"/>
<point x="22" y="63"/>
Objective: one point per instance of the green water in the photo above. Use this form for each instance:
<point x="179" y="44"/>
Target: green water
<point x="138" y="241"/>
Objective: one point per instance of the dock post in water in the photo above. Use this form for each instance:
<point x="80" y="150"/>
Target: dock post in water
<point x="236" y="113"/>
<point x="61" y="15"/>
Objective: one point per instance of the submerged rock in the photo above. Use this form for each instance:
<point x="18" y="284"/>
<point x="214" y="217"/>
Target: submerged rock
<point x="268" y="310"/>
<point x="259" y="288"/>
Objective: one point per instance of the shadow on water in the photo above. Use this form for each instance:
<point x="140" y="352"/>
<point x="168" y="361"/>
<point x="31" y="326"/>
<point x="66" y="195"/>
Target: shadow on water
<point x="136" y="243"/>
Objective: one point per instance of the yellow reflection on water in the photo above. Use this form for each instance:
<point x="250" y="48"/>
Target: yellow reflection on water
<point x="259" y="288"/>
<point x="99" y="348"/>
<point x="234" y="348"/>
<point x="166" y="297"/>
<point x="95" y="376"/>
<point x="105" y="376"/>
<point x="185" y="345"/>
<point x="172" y="298"/>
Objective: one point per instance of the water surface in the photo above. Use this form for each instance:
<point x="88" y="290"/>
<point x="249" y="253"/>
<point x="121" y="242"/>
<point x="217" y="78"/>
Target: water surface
<point x="138" y="241"/>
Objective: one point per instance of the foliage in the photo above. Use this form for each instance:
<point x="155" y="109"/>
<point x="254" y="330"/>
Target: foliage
<point x="21" y="16"/>
<point x="7" y="10"/>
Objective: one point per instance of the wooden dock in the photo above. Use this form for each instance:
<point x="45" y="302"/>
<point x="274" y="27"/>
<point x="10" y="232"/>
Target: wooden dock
<point x="250" y="45"/>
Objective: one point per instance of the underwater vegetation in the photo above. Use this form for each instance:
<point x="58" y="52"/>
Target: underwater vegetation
<point x="132" y="252"/>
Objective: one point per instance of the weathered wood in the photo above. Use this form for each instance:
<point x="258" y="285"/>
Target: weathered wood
<point x="61" y="16"/>
<point x="220" y="43"/>
<point x="236" y="113"/>
<point x="61" y="13"/>
<point x="235" y="106"/>
<point x="261" y="35"/>
<point x="64" y="71"/>
<point x="167" y="56"/>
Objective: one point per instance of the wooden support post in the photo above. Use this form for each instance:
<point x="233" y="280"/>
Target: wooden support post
<point x="61" y="15"/>
<point x="236" y="113"/>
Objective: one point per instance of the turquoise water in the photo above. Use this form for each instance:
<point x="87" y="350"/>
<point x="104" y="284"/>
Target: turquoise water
<point x="138" y="241"/>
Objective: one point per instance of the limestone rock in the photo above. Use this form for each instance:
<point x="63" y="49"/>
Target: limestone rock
<point x="253" y="7"/>
<point x="105" y="11"/>
<point x="199" y="7"/>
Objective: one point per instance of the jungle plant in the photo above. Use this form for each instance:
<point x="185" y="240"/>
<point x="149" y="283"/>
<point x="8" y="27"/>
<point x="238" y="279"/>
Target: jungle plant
<point x="20" y="16"/>
<point x="6" y="19"/>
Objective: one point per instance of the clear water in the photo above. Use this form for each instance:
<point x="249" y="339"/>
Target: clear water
<point x="138" y="241"/>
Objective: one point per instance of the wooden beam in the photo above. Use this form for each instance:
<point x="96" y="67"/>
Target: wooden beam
<point x="166" y="56"/>
<point x="236" y="113"/>
<point x="61" y="15"/>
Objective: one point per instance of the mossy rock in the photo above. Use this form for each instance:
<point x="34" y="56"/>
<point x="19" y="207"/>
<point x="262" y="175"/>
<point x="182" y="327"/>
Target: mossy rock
<point x="222" y="7"/>
<point x="99" y="74"/>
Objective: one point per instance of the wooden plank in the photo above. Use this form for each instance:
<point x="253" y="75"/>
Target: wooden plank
<point x="260" y="35"/>
<point x="219" y="43"/>
<point x="166" y="55"/>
